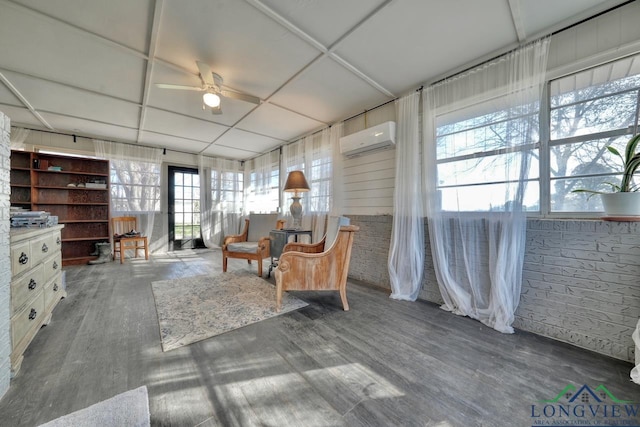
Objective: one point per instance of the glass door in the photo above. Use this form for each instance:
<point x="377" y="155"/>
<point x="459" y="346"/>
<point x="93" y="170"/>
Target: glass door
<point x="184" y="209"/>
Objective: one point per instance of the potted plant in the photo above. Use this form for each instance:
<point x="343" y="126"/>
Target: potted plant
<point x="623" y="200"/>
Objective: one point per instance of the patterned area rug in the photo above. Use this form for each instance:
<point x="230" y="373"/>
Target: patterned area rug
<point x="192" y="309"/>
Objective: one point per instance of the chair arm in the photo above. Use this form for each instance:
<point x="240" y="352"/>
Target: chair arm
<point x="299" y="259"/>
<point x="309" y="248"/>
<point x="235" y="238"/>
<point x="263" y="243"/>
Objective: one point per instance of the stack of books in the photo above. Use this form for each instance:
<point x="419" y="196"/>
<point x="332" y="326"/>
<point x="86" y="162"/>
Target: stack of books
<point x="25" y="218"/>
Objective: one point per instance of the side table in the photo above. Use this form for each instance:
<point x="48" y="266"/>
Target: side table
<point x="278" y="239"/>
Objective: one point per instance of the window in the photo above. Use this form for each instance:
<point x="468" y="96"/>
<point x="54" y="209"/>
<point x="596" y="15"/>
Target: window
<point x="320" y="183"/>
<point x="227" y="190"/>
<point x="135" y="186"/>
<point x="313" y="156"/>
<point x="589" y="111"/>
<point x="264" y="184"/>
<point x="481" y="153"/>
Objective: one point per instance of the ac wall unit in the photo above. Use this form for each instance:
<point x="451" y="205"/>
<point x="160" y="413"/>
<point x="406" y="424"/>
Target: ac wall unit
<point x="379" y="137"/>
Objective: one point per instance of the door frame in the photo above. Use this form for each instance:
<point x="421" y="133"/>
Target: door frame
<point x="174" y="244"/>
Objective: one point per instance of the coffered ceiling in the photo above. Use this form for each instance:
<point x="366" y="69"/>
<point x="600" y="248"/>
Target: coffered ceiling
<point x="90" y="68"/>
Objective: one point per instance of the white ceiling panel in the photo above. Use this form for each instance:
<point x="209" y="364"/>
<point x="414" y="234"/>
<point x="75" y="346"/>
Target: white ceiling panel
<point x="172" y="143"/>
<point x="428" y="38"/>
<point x="327" y="92"/>
<point x="21" y="116"/>
<point x="538" y="14"/>
<point x="123" y="21"/>
<point x="7" y="97"/>
<point x="279" y="123"/>
<point x="228" y="152"/>
<point x="90" y="128"/>
<point x="55" y="98"/>
<point x="319" y="18"/>
<point x="55" y="51"/>
<point x="248" y="141"/>
<point x="172" y="124"/>
<point x="249" y="50"/>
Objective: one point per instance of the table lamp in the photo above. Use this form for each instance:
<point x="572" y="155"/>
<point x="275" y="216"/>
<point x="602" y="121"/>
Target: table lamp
<point x="296" y="184"/>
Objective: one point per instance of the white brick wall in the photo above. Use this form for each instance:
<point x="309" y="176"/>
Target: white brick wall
<point x="5" y="263"/>
<point x="581" y="283"/>
<point x="581" y="278"/>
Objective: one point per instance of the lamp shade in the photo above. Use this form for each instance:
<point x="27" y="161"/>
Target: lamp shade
<point x="296" y="182"/>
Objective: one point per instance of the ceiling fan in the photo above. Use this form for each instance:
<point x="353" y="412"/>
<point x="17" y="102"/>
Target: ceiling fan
<point x="212" y="86"/>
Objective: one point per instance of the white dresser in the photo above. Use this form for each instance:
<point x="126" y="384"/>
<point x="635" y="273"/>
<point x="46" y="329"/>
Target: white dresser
<point x="36" y="286"/>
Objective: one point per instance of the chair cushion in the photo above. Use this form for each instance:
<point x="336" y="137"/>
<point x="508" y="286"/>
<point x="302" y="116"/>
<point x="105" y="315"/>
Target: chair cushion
<point x="333" y="226"/>
<point x="244" y="247"/>
<point x="260" y="225"/>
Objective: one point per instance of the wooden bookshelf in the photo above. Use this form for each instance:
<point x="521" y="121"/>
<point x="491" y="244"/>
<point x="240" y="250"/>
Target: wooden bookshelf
<point x="84" y="211"/>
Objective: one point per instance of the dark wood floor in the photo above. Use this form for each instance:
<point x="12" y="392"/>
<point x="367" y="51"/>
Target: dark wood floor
<point x="383" y="363"/>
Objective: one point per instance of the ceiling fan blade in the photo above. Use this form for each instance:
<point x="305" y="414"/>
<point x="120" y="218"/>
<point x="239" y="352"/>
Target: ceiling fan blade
<point x="205" y="73"/>
<point x="216" y="110"/>
<point x="241" y="96"/>
<point x="181" y="87"/>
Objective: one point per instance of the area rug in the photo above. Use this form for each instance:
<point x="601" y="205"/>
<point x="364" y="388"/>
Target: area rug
<point x="192" y="309"/>
<point x="130" y="408"/>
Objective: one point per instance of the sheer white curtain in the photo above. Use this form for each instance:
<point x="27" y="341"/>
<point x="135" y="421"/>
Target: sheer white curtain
<point x="337" y="178"/>
<point x="262" y="175"/>
<point x="481" y="131"/>
<point x="17" y="138"/>
<point x="314" y="156"/>
<point x="221" y="196"/>
<point x="135" y="181"/>
<point x="406" y="253"/>
<point x="635" y="372"/>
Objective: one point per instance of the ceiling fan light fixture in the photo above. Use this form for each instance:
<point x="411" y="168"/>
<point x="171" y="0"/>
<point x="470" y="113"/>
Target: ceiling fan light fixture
<point x="211" y="99"/>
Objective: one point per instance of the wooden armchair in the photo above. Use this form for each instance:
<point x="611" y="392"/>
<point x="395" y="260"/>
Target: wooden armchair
<point x="302" y="269"/>
<point x="253" y="242"/>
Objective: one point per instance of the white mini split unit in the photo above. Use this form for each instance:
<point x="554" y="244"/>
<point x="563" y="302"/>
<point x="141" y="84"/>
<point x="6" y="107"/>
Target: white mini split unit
<point x="379" y="137"/>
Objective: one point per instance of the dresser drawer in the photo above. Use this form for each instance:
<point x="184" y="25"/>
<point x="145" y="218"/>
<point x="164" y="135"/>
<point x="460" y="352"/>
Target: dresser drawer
<point x="27" y="319"/>
<point x="53" y="290"/>
<point x="25" y="287"/>
<point x="41" y="247"/>
<point x="20" y="258"/>
<point x="52" y="265"/>
<point x="56" y="240"/>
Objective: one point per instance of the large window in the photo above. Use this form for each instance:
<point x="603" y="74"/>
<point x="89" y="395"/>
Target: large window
<point x="481" y="154"/>
<point x="589" y="111"/>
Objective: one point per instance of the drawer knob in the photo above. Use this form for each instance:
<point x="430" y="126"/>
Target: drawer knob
<point x="55" y="265"/>
<point x="45" y="248"/>
<point x="55" y="287"/>
<point x="23" y="258"/>
<point x="32" y="314"/>
<point x="32" y="284"/>
<point x="58" y="241"/>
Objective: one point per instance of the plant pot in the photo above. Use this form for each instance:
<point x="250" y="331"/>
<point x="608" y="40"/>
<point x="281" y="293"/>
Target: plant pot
<point x="623" y="204"/>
